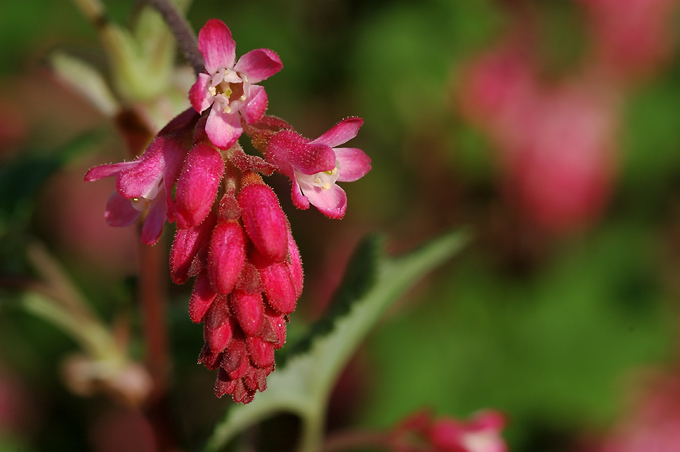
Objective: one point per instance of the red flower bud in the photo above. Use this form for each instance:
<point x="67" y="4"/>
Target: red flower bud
<point x="197" y="185"/>
<point x="218" y="326"/>
<point x="201" y="298"/>
<point x="235" y="360"/>
<point x="264" y="221"/>
<point x="249" y="311"/>
<point x="261" y="352"/>
<point x="226" y="256"/>
<point x="188" y="243"/>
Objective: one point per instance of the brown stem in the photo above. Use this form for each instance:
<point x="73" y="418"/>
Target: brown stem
<point x="180" y="27"/>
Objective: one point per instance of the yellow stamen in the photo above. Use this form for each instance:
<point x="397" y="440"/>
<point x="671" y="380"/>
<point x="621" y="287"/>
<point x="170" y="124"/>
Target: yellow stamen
<point x="212" y="90"/>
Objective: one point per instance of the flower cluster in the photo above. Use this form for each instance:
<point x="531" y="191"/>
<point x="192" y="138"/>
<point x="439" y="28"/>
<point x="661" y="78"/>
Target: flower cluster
<point x="232" y="234"/>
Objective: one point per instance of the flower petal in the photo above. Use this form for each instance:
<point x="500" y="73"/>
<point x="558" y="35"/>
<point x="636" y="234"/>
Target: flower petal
<point x="199" y="96"/>
<point x="256" y="104"/>
<point x="223" y="129"/>
<point x="341" y="133"/>
<point x="119" y="211"/>
<point x="102" y="171"/>
<point x="259" y="64"/>
<point x="331" y="202"/>
<point x="154" y="221"/>
<point x="287" y="148"/>
<point x="217" y="46"/>
<point x="299" y="200"/>
<point x="142" y="179"/>
<point x="353" y="164"/>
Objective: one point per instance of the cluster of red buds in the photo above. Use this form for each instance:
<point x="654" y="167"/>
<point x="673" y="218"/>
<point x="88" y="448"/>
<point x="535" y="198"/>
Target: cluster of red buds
<point x="232" y="234"/>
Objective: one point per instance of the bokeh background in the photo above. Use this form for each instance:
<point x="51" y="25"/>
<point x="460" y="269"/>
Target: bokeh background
<point x="548" y="128"/>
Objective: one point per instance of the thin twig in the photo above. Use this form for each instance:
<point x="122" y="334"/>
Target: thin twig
<point x="180" y="27"/>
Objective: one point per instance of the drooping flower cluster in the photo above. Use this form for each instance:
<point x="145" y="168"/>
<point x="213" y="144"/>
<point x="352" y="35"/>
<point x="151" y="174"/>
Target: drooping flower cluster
<point x="232" y="234"/>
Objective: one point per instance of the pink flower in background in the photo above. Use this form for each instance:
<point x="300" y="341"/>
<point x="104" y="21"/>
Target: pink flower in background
<point x="631" y="37"/>
<point x="482" y="433"/>
<point x="556" y="142"/>
<point x="230" y="86"/>
<point x="653" y="422"/>
<point x="314" y="166"/>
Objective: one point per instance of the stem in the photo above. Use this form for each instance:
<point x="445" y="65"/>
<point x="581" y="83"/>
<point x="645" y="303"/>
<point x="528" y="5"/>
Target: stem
<point x="180" y="27"/>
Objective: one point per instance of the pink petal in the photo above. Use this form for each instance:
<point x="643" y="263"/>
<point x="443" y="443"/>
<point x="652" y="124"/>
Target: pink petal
<point x="197" y="186"/>
<point x="142" y="179"/>
<point x="299" y="200"/>
<point x="154" y="221"/>
<point x="256" y="104"/>
<point x="331" y="202"/>
<point x="341" y="133"/>
<point x="199" y="96"/>
<point x="217" y="46"/>
<point x="223" y="129"/>
<point x="119" y="211"/>
<point x="288" y="149"/>
<point x="353" y="164"/>
<point x="102" y="171"/>
<point x="185" y="120"/>
<point x="259" y="64"/>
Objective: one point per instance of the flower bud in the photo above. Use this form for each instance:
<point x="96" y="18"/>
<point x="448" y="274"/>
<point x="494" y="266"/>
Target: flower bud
<point x="278" y="284"/>
<point x="235" y="360"/>
<point x="261" y="352"/>
<point x="218" y="326"/>
<point x="197" y="185"/>
<point x="264" y="220"/>
<point x="201" y="298"/>
<point x="188" y="243"/>
<point x="249" y="311"/>
<point x="226" y="256"/>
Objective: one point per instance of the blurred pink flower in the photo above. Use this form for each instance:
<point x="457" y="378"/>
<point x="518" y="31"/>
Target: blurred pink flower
<point x="631" y="37"/>
<point x="653" y="423"/>
<point x="230" y="86"/>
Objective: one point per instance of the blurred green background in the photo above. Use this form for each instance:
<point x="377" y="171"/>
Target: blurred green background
<point x="552" y="329"/>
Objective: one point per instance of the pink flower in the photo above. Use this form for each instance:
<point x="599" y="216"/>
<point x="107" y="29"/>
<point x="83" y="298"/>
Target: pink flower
<point x="315" y="166"/>
<point x="230" y="86"/>
<point x="143" y="186"/>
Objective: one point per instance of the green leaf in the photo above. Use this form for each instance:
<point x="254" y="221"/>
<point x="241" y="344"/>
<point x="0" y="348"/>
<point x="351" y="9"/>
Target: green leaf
<point x="302" y="387"/>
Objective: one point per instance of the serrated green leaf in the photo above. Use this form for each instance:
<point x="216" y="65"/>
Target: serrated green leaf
<point x="372" y="283"/>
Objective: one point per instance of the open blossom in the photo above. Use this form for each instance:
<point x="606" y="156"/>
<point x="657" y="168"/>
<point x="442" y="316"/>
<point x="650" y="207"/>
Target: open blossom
<point x="143" y="186"/>
<point x="314" y="166"/>
<point x="229" y="86"/>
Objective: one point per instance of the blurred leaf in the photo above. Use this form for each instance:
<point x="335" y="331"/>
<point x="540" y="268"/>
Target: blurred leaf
<point x="371" y="284"/>
<point x="85" y="80"/>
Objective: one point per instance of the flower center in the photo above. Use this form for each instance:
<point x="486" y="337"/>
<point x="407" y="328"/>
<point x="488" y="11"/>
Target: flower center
<point x="324" y="180"/>
<point x="229" y="89"/>
<point x="140" y="204"/>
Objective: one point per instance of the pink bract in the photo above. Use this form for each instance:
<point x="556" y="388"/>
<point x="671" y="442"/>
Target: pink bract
<point x="229" y="86"/>
<point x="314" y="166"/>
